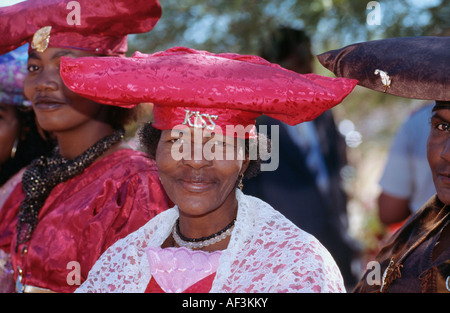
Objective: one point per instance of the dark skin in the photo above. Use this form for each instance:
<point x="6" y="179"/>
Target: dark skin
<point x="9" y="131"/>
<point x="77" y="122"/>
<point x="204" y="189"/>
<point x="392" y="209"/>
<point x="438" y="153"/>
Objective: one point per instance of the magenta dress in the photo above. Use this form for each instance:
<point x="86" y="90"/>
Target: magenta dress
<point x="81" y="218"/>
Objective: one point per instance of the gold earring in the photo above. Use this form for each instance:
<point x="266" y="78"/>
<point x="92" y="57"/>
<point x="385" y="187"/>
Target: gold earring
<point x="14" y="148"/>
<point x="240" y="184"/>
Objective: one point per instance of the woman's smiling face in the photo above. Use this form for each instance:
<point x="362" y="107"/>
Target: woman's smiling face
<point x="57" y="108"/>
<point x="198" y="180"/>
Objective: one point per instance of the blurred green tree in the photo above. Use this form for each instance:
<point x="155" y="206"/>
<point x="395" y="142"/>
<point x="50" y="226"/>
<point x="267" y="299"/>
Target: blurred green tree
<point x="242" y="26"/>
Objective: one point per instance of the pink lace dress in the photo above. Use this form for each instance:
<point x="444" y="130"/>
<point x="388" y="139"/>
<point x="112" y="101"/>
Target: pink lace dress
<point x="266" y="253"/>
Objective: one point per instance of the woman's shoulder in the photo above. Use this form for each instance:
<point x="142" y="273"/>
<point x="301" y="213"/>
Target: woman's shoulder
<point x="122" y="164"/>
<point x="276" y="230"/>
<point x="296" y="256"/>
<point x="268" y="218"/>
<point x="127" y="169"/>
<point x="123" y="266"/>
<point x="129" y="157"/>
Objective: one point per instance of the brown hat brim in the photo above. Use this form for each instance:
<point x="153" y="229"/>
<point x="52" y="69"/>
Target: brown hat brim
<point x="410" y="67"/>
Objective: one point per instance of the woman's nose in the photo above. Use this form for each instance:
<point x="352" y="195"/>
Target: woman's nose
<point x="47" y="81"/>
<point x="195" y="158"/>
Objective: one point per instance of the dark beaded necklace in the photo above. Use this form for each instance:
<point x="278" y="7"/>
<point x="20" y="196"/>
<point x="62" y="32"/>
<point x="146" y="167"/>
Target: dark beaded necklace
<point x="220" y="232"/>
<point x="45" y="172"/>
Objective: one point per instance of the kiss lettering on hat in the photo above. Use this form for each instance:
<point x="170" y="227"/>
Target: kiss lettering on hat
<point x="200" y="120"/>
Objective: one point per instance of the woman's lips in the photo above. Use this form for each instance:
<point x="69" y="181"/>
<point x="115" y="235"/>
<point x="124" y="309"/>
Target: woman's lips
<point x="196" y="185"/>
<point x="47" y="104"/>
<point x="444" y="178"/>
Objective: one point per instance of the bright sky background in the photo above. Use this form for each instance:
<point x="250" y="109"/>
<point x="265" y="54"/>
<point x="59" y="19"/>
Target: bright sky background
<point x="9" y="2"/>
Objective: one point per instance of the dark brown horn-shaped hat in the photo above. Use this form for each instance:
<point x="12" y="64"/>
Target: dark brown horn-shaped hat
<point x="410" y="67"/>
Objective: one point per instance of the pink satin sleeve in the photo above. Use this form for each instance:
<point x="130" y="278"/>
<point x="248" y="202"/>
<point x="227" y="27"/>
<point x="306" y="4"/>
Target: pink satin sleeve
<point x="127" y="208"/>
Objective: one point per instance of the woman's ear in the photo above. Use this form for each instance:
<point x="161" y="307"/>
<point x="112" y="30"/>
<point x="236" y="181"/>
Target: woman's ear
<point x="245" y="164"/>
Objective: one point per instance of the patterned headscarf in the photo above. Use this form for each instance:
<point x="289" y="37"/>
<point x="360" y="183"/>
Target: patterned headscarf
<point x="13" y="69"/>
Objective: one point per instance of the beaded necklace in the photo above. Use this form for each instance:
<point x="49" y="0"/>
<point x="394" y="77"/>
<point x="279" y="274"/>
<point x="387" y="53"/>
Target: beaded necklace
<point x="45" y="173"/>
<point x="198" y="243"/>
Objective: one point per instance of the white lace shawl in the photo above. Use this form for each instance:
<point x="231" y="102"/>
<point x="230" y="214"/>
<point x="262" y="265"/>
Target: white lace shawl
<point x="266" y="253"/>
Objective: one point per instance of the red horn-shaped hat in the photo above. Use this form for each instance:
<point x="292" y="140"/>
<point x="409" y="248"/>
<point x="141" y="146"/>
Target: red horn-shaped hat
<point x="97" y="26"/>
<point x="203" y="89"/>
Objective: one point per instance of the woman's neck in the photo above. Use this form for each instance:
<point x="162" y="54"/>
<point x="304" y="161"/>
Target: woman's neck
<point x="211" y="223"/>
<point x="74" y="142"/>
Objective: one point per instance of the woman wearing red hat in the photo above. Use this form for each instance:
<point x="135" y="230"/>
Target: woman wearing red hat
<point x="215" y="239"/>
<point x="21" y="139"/>
<point x="93" y="189"/>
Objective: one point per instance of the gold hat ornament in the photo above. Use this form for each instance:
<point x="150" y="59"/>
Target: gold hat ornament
<point x="41" y="38"/>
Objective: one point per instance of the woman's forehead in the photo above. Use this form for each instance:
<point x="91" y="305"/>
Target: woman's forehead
<point x="441" y="105"/>
<point x="191" y="133"/>
<point x="54" y="53"/>
<point x="442" y="114"/>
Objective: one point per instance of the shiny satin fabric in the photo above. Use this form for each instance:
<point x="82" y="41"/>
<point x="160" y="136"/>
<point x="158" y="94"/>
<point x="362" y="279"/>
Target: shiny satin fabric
<point x="101" y="29"/>
<point x="409" y="255"/>
<point x="180" y="78"/>
<point x="82" y="217"/>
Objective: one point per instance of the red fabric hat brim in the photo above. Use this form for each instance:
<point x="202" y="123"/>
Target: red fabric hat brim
<point x="229" y="122"/>
<point x="102" y="28"/>
<point x="213" y="84"/>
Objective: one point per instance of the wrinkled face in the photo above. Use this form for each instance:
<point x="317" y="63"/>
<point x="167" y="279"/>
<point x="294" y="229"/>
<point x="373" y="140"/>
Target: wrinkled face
<point x="9" y="131"/>
<point x="199" y="171"/>
<point x="57" y="108"/>
<point x="438" y="153"/>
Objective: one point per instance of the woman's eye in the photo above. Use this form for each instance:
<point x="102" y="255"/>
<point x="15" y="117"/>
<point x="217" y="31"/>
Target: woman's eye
<point x="176" y="140"/>
<point x="443" y="126"/>
<point x="32" y="68"/>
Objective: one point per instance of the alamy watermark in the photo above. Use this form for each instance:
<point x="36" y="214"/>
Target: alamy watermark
<point x="374" y="15"/>
<point x="373" y="276"/>
<point x="74" y="276"/>
<point x="197" y="143"/>
<point x="74" y="16"/>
